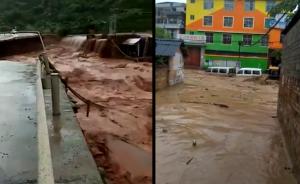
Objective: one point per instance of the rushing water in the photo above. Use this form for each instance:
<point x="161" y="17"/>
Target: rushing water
<point x="238" y="140"/>
<point x="74" y="41"/>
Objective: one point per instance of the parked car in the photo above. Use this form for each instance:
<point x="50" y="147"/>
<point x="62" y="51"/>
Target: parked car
<point x="274" y="72"/>
<point x="249" y="72"/>
<point x="222" y="70"/>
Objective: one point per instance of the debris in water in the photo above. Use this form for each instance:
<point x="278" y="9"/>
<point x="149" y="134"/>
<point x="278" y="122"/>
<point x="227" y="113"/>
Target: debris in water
<point x="221" y="105"/>
<point x="189" y="161"/>
<point x="194" y="142"/>
<point x="164" y="130"/>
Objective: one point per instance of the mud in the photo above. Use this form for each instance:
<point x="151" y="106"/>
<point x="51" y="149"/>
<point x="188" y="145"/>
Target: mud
<point x="123" y="129"/>
<point x="215" y="129"/>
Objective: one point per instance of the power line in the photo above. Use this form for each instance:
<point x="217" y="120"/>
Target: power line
<point x="270" y="29"/>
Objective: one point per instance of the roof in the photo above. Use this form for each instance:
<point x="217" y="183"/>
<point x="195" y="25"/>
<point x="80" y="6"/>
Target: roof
<point x="167" y="47"/>
<point x="170" y="2"/>
<point x="250" y="69"/>
<point x="294" y="20"/>
<point x="131" y="41"/>
<point x="10" y="36"/>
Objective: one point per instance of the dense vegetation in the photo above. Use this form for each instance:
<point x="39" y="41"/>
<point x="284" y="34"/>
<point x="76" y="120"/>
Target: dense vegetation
<point x="75" y="16"/>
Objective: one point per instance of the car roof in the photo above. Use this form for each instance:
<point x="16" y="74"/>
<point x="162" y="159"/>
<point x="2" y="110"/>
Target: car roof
<point x="250" y="69"/>
<point x="220" y="67"/>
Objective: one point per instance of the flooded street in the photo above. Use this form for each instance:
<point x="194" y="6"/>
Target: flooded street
<point x="233" y="122"/>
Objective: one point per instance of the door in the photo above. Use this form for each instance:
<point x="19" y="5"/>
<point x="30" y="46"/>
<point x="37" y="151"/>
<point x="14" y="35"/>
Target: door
<point x="194" y="57"/>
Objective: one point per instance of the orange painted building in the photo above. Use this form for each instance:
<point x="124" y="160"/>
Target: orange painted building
<point x="235" y="30"/>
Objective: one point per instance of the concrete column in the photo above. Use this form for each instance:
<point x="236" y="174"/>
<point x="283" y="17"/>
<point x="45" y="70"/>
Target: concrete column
<point x="202" y="59"/>
<point x="55" y="94"/>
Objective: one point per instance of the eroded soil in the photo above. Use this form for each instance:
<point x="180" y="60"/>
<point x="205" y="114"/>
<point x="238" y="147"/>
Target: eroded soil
<point x="234" y="126"/>
<point x="119" y="135"/>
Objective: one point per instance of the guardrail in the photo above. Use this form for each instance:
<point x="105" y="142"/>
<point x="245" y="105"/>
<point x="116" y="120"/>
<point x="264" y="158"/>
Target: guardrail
<point x="45" y="168"/>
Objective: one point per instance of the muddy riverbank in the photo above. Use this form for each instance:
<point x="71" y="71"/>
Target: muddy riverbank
<point x="233" y="122"/>
<point x="119" y="135"/>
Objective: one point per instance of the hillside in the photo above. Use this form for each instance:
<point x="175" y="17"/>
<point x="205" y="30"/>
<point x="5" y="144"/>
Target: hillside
<point x="75" y="16"/>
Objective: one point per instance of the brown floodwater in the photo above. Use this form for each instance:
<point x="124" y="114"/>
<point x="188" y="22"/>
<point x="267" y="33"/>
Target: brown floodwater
<point x="233" y="122"/>
<point x="119" y="136"/>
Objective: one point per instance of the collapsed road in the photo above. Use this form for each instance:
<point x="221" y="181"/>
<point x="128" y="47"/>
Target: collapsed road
<point x="218" y="129"/>
<point x="119" y="134"/>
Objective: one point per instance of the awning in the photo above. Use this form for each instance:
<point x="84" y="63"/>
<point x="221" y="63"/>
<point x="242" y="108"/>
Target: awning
<point x="131" y="41"/>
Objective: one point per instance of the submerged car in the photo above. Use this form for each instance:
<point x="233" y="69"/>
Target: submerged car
<point x="249" y="72"/>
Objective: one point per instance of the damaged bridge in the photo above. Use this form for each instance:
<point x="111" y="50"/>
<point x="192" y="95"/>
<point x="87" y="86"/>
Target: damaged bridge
<point x="35" y="145"/>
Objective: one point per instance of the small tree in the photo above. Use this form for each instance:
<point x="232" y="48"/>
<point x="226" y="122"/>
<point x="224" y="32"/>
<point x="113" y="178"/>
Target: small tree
<point x="162" y="33"/>
<point x="285" y="6"/>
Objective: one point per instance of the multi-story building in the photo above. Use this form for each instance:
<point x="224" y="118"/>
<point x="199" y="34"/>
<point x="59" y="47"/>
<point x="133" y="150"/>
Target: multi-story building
<point x="171" y="17"/>
<point x="235" y="31"/>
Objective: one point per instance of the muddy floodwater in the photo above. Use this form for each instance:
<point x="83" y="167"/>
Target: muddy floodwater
<point x="119" y="135"/>
<point x="232" y="121"/>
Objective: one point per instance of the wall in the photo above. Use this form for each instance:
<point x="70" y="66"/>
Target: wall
<point x="238" y="13"/>
<point x="161" y="78"/>
<point x="274" y="39"/>
<point x="233" y="47"/>
<point x="218" y="11"/>
<point x="245" y="62"/>
<point x="289" y="96"/>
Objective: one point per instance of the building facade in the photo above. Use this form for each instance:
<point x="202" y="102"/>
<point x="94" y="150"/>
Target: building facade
<point x="235" y="31"/>
<point x="171" y="17"/>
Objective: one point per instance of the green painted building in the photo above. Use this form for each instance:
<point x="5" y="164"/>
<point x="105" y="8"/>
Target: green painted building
<point x="236" y="52"/>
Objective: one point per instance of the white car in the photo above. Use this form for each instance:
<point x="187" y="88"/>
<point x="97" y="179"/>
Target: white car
<point x="249" y="72"/>
<point x="221" y="70"/>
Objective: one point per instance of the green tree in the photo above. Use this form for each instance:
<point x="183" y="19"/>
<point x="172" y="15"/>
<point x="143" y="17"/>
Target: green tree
<point x="162" y="33"/>
<point x="285" y="6"/>
<point x="75" y="16"/>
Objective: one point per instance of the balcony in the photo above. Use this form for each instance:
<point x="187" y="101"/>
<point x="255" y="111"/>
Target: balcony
<point x="170" y="25"/>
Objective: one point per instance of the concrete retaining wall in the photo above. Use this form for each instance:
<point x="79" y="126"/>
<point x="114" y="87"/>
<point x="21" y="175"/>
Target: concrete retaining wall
<point x="20" y="46"/>
<point x="289" y="96"/>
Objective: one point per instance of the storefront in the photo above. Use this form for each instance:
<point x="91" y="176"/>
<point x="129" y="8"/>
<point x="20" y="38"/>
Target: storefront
<point x="195" y="47"/>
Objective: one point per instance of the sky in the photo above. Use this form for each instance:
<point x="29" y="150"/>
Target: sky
<point x="180" y="1"/>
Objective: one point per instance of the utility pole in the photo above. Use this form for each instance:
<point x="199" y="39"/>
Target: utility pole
<point x="240" y="44"/>
<point x="113" y="24"/>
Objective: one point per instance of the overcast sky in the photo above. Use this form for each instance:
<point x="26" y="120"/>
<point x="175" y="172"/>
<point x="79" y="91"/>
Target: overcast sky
<point x="180" y="1"/>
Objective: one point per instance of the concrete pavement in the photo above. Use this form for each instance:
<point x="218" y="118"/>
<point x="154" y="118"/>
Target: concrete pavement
<point x="18" y="148"/>
<point x="72" y="162"/>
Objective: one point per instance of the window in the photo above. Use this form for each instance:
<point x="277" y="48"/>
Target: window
<point x="207" y="20"/>
<point x="192" y="1"/>
<point x="248" y="72"/>
<point x="215" y="70"/>
<point x="247" y="39"/>
<point x="229" y="4"/>
<point x="209" y="37"/>
<point x="226" y="38"/>
<point x="249" y="5"/>
<point x="255" y="72"/>
<point x="264" y="40"/>
<point x="240" y="72"/>
<point x="208" y="4"/>
<point x="223" y="70"/>
<point x="270" y="5"/>
<point x="228" y="21"/>
<point x="192" y="17"/>
<point x="248" y="22"/>
<point x="269" y="22"/>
